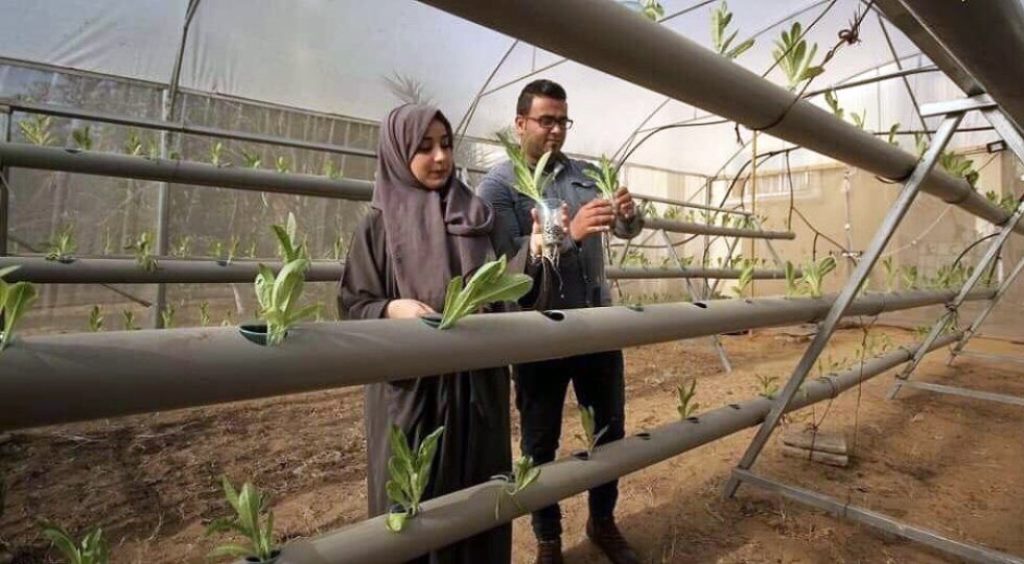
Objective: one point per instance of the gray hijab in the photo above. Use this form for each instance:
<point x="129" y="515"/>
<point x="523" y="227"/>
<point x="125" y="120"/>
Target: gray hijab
<point x="416" y="226"/>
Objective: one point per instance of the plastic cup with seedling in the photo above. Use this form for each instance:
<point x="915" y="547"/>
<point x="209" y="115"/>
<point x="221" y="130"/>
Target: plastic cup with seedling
<point x="687" y="407"/>
<point x="768" y="386"/>
<point x="489" y="284"/>
<point x="95" y="319"/>
<point x="409" y="473"/>
<point x="252" y="519"/>
<point x="62" y="245"/>
<point x="523" y="474"/>
<point x="531" y="182"/>
<point x="650" y="9"/>
<point x="143" y="249"/>
<point x="282" y="165"/>
<point x="590" y="435"/>
<point x="15" y="299"/>
<point x="91" y="550"/>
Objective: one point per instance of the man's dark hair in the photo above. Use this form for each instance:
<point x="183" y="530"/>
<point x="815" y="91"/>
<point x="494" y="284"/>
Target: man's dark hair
<point x="542" y="87"/>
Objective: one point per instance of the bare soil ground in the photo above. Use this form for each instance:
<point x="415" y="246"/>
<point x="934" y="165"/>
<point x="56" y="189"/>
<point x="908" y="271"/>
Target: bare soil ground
<point x="952" y="464"/>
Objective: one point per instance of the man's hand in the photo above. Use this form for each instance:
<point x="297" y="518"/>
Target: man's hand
<point x="407" y="309"/>
<point x="594" y="217"/>
<point x="624" y="203"/>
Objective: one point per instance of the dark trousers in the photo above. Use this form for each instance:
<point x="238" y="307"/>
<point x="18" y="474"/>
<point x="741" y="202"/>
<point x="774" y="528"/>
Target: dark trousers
<point x="598" y="382"/>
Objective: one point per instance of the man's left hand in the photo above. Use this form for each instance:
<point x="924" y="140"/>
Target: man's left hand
<point x="624" y="203"/>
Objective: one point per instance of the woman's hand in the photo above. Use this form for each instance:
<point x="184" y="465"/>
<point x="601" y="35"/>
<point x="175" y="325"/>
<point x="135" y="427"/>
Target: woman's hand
<point x="407" y="309"/>
<point x="537" y="237"/>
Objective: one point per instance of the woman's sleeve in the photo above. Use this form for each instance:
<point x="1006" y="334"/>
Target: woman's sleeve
<point x="362" y="293"/>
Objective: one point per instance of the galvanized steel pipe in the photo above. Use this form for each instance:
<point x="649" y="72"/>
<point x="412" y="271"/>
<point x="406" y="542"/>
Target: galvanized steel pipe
<point x="703" y="229"/>
<point x="616" y="273"/>
<point x="61" y="378"/>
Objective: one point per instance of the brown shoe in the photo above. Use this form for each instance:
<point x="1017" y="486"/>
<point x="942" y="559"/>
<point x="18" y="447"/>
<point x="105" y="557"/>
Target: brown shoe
<point x="549" y="552"/>
<point x="609" y="539"/>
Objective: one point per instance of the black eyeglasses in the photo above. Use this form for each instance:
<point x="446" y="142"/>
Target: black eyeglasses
<point x="548" y="122"/>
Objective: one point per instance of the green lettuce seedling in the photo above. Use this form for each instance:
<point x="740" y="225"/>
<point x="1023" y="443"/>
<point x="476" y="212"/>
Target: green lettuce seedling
<point x="489" y="284"/>
<point x="410" y="473"/>
<point x="252" y="519"/>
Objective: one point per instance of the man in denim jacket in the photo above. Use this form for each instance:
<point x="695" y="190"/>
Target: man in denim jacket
<point x="541" y="124"/>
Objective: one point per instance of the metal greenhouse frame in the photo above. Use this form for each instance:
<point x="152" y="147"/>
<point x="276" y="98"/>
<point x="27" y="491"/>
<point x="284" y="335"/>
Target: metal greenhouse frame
<point x="63" y="378"/>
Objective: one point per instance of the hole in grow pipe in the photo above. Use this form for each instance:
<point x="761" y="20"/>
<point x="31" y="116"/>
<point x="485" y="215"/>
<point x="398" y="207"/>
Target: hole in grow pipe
<point x="635" y="307"/>
<point x="553" y="314"/>
<point x="693" y="419"/>
<point x="643" y="435"/>
<point x="734" y="405"/>
<point x="581" y="454"/>
<point x="255" y="333"/>
<point x="701" y="305"/>
<point x="748" y="300"/>
<point x="432" y="319"/>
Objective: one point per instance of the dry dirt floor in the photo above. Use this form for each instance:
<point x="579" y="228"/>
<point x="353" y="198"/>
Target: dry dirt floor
<point x="949" y="463"/>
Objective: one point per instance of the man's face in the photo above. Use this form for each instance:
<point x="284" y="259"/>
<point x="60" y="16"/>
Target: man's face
<point x="537" y="139"/>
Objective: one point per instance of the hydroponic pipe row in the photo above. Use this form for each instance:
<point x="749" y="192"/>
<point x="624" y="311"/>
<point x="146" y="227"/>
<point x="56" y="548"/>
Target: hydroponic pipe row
<point x="93" y="270"/>
<point x="259" y="180"/>
<point x="459" y="515"/>
<point x="61" y="378"/>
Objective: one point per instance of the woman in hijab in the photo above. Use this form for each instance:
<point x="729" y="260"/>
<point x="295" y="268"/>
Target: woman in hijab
<point x="424" y="227"/>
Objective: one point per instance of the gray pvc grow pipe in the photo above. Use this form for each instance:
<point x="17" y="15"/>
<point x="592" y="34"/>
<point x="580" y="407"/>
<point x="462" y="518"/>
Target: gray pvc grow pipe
<point x="168" y="271"/>
<point x="663" y="61"/>
<point x="992" y="58"/>
<point x="202" y="174"/>
<point x="181" y="172"/>
<point x="616" y="273"/>
<point x="100" y="270"/>
<point x="61" y="378"/>
<point x="459" y="515"/>
<point x="703" y="229"/>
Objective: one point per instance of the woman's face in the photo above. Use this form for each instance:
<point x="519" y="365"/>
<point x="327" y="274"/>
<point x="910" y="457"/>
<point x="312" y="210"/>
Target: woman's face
<point x="432" y="164"/>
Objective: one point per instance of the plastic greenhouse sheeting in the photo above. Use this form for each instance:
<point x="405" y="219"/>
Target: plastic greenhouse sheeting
<point x="335" y="56"/>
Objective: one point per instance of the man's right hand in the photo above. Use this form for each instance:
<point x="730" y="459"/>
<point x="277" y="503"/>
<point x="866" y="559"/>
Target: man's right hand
<point x="407" y="309"/>
<point x="596" y="216"/>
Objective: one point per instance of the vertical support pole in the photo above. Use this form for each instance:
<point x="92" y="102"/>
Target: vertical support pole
<point x="5" y="197"/>
<point x="715" y="341"/>
<point x="942" y="323"/>
<point x="162" y="216"/>
<point x="892" y="220"/>
<point x="976" y="324"/>
<point x="163" y="197"/>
